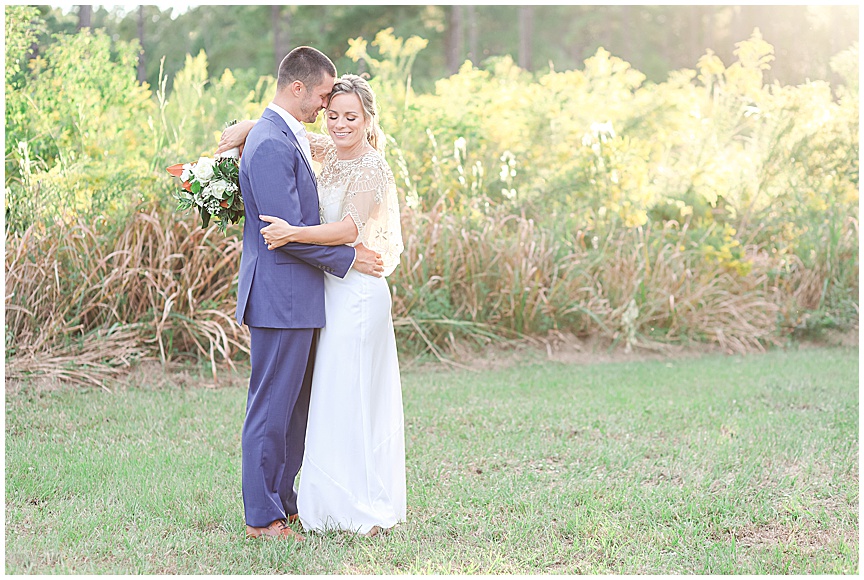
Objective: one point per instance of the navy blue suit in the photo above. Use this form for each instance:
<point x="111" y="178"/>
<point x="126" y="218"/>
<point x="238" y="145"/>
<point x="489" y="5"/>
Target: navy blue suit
<point x="280" y="296"/>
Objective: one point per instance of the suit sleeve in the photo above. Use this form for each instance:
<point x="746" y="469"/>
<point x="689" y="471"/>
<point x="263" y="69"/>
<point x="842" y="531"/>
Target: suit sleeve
<point x="276" y="192"/>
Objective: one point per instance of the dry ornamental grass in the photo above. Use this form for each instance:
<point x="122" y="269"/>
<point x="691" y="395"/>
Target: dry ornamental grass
<point x="84" y="302"/>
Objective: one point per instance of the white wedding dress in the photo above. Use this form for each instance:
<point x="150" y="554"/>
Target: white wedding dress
<point x="353" y="473"/>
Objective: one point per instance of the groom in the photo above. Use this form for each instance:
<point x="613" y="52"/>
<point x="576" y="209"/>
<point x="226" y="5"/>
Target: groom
<point x="280" y="295"/>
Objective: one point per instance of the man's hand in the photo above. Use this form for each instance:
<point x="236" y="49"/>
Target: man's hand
<point x="368" y="262"/>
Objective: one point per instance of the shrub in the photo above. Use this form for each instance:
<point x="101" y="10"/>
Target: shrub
<point x="708" y="208"/>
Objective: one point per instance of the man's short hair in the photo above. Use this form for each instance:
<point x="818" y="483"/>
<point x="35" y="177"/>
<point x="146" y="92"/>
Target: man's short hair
<point x="305" y="64"/>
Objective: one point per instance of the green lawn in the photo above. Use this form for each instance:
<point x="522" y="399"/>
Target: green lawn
<point x="712" y="465"/>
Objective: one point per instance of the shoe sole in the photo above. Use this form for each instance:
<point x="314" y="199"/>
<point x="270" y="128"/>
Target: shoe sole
<point x="279" y="536"/>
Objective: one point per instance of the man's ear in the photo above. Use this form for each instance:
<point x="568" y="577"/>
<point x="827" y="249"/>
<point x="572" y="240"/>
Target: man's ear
<point x="297" y="88"/>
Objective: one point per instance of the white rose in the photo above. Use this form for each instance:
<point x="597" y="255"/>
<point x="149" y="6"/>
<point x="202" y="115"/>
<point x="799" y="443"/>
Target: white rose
<point x="216" y="189"/>
<point x="187" y="170"/>
<point x="203" y="170"/>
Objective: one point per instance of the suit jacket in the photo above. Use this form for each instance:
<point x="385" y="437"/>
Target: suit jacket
<point x="282" y="288"/>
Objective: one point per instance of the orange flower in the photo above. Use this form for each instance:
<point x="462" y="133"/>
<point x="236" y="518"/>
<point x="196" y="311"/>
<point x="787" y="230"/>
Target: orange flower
<point x="223" y="203"/>
<point x="177" y="171"/>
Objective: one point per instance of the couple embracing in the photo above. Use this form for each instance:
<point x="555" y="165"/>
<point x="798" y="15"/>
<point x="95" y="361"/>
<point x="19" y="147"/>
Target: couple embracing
<point x="325" y="389"/>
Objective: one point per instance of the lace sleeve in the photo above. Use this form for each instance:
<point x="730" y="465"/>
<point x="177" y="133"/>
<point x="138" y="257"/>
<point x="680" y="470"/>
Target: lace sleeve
<point x="373" y="204"/>
<point x="319" y="144"/>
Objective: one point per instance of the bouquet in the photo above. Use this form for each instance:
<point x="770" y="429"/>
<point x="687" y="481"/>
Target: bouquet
<point x="212" y="186"/>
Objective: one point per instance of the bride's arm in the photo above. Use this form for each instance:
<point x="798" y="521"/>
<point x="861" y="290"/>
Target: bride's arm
<point x="235" y="136"/>
<point x="280" y="232"/>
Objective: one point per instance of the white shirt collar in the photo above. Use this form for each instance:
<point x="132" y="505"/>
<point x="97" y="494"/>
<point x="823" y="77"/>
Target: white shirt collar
<point x="296" y="126"/>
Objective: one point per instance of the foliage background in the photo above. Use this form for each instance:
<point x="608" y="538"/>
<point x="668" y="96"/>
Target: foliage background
<point x="249" y="40"/>
<point x="713" y="205"/>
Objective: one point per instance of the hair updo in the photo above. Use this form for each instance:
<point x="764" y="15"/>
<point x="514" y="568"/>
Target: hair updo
<point x="359" y="86"/>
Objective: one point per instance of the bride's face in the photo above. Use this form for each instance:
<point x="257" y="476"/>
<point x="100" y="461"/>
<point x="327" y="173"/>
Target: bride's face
<point x="345" y="122"/>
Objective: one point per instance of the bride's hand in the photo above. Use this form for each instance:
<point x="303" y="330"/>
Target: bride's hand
<point x="278" y="233"/>
<point x="234" y="136"/>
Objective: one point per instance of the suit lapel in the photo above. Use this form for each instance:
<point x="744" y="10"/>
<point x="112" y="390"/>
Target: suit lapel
<point x="274" y="117"/>
<point x="294" y="142"/>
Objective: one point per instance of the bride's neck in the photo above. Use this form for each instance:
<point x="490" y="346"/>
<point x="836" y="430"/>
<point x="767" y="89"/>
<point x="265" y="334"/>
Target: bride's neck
<point x="353" y="152"/>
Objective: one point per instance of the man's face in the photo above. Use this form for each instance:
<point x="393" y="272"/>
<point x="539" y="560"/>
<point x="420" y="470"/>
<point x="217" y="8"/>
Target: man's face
<point x="315" y="99"/>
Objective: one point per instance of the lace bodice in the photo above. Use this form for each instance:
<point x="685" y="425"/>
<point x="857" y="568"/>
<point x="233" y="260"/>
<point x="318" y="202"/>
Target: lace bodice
<point x="365" y="189"/>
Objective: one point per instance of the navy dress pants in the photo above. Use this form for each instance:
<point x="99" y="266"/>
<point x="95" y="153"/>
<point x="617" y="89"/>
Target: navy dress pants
<point x="274" y="431"/>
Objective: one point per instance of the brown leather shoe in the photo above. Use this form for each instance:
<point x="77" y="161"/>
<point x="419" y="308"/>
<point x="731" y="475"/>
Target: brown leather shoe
<point x="277" y="529"/>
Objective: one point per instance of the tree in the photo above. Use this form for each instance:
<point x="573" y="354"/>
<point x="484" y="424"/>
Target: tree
<point x="85" y="14"/>
<point x="281" y="33"/>
<point x="627" y="25"/>
<point x="696" y="28"/>
<point x="142" y="68"/>
<point x="526" y="36"/>
<point x="654" y="39"/>
<point x="473" y="51"/>
<point x="455" y="47"/>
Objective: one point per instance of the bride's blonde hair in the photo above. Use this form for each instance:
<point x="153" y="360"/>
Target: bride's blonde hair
<point x="358" y="86"/>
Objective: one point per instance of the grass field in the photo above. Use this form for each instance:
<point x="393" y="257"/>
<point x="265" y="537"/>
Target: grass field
<point x="701" y="465"/>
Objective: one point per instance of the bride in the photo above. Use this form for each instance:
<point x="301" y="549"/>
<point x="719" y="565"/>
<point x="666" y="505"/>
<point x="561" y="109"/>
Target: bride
<point x="353" y="471"/>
